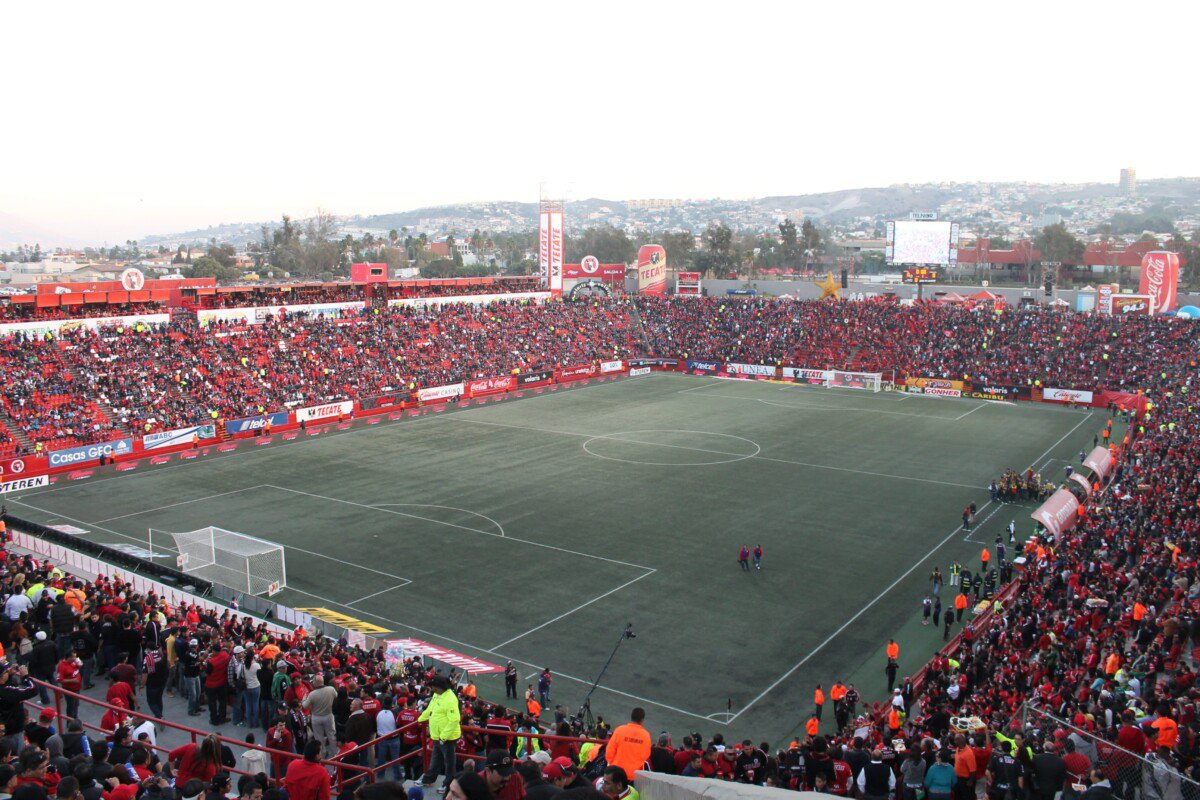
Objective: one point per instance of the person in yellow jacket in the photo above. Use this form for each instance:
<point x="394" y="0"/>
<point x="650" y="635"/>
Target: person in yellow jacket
<point x="445" y="729"/>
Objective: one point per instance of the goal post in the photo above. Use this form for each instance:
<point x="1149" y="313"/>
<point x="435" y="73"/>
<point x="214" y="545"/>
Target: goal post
<point x="241" y="562"/>
<point x="867" y="381"/>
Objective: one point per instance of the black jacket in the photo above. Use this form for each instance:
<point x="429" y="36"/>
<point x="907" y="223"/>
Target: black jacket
<point x="62" y="619"/>
<point x="12" y="703"/>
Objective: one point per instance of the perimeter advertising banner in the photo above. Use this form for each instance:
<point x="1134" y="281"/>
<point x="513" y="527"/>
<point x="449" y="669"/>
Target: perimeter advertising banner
<point x="91" y="452"/>
<point x="652" y="269"/>
<point x="245" y="424"/>
<point x="550" y="250"/>
<point x="1104" y="297"/>
<point x="1124" y="305"/>
<point x="153" y="441"/>
<point x="1160" y="280"/>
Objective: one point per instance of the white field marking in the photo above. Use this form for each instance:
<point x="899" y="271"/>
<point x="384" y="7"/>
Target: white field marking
<point x="376" y="594"/>
<point x="879" y="596"/>
<point x="757" y="457"/>
<point x="980" y="524"/>
<point x="499" y="527"/>
<point x="462" y="527"/>
<point x="831" y="409"/>
<point x="714" y="382"/>
<point x="573" y="610"/>
<point x="584" y="681"/>
<point x="173" y="505"/>
<point x="396" y="424"/>
<point x="969" y="413"/>
<point x="286" y="546"/>
<point x="619" y="437"/>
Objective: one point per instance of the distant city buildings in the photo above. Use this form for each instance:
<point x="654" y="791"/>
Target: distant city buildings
<point x="1128" y="182"/>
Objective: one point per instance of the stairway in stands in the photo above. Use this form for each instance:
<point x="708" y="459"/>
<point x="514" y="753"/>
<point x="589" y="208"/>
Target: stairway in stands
<point x="15" y="431"/>
<point x="637" y="318"/>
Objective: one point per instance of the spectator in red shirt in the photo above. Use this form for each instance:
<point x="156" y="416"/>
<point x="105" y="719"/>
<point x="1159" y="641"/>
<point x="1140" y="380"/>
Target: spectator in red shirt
<point x="307" y="778"/>
<point x="200" y="761"/>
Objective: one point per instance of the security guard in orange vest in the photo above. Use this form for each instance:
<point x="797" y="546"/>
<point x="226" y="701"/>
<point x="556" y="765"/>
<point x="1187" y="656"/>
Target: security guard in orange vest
<point x="893" y="649"/>
<point x="818" y="702"/>
<point x="960" y="605"/>
<point x="812" y="727"/>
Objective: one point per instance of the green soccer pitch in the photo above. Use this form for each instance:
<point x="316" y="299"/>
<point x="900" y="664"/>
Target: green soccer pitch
<point x="535" y="528"/>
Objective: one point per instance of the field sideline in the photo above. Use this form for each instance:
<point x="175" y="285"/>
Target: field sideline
<point x="533" y="529"/>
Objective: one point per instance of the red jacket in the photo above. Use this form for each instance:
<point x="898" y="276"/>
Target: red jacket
<point x="216" y="678"/>
<point x="306" y="780"/>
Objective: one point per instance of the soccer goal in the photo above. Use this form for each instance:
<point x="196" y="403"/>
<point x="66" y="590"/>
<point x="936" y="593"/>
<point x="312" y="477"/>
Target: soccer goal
<point x="868" y="381"/>
<point x="244" y="563"/>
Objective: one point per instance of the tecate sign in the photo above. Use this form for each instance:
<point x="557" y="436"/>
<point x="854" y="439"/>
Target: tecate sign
<point x="75" y="455"/>
<point x="21" y="484"/>
<point x="323" y="412"/>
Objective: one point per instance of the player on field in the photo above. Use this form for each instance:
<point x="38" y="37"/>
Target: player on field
<point x="744" y="558"/>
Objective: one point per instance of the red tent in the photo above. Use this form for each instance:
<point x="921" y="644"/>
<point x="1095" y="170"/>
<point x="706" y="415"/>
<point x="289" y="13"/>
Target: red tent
<point x="985" y="295"/>
<point x="952" y="297"/>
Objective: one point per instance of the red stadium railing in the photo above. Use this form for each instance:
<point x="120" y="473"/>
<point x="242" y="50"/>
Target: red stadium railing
<point x="339" y="765"/>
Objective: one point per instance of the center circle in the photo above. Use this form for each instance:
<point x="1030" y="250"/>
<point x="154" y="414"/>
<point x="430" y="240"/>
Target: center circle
<point x="672" y="448"/>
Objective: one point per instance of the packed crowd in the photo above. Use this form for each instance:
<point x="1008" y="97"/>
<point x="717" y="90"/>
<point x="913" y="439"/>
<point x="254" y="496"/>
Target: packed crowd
<point x="461" y="288"/>
<point x="285" y="295"/>
<point x="30" y="312"/>
<point x="1082" y="682"/>
<point x="167" y="376"/>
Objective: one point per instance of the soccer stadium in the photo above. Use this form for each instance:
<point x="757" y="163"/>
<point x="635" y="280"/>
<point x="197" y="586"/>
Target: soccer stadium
<point x="487" y="481"/>
<point x="563" y="401"/>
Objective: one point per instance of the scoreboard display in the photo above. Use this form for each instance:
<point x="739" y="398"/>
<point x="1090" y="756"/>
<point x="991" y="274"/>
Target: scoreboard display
<point x="921" y="275"/>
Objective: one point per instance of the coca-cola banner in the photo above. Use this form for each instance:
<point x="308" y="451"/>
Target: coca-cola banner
<point x="491" y="385"/>
<point x="1160" y="280"/>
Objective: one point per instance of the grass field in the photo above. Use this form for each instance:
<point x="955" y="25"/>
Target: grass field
<point x="533" y="529"/>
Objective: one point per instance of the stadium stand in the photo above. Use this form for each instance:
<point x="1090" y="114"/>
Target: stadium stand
<point x="1080" y="673"/>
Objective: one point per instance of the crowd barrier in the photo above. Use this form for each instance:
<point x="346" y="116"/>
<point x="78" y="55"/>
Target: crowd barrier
<point x="346" y="768"/>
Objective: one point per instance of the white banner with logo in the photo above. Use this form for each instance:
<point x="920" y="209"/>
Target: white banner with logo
<point x="473" y="299"/>
<point x="439" y="392"/>
<point x="750" y="369"/>
<point x="256" y="315"/>
<point x="610" y="366"/>
<point x="55" y="326"/>
<point x="937" y="391"/>
<point x="153" y="441"/>
<point x="807" y="374"/>
<point x="327" y="411"/>
<point x="633" y="373"/>
<point x="21" y="484"/>
<point x="1067" y="395"/>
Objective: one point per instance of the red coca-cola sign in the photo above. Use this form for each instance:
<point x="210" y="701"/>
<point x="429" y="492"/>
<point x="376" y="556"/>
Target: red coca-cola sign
<point x="1160" y="280"/>
<point x="491" y="385"/>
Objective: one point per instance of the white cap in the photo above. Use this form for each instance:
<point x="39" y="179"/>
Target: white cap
<point x="40" y="636"/>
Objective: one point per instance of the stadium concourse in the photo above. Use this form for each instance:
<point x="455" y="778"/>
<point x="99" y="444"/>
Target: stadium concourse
<point x="1083" y="674"/>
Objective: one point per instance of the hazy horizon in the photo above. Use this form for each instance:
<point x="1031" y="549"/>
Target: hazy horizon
<point x="145" y="119"/>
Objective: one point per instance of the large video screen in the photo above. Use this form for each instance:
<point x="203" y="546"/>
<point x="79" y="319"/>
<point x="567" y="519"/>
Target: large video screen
<point x="922" y="243"/>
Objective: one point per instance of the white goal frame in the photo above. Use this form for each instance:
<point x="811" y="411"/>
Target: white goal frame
<point x="243" y="563"/>
<point x="864" y="381"/>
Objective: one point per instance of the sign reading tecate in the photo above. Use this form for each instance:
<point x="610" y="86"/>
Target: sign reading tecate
<point x="91" y="452"/>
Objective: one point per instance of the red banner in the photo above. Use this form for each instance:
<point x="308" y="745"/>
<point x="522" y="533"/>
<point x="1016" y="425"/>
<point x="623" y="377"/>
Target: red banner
<point x="574" y="373"/>
<point x="1126" y="304"/>
<point x="652" y="269"/>
<point x="491" y="386"/>
<point x="596" y="271"/>
<point x="1160" y="280"/>
<point x="15" y="467"/>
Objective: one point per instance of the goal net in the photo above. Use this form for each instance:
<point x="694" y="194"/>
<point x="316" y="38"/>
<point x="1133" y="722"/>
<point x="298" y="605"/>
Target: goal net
<point x="244" y="563"/>
<point x="868" y="381"/>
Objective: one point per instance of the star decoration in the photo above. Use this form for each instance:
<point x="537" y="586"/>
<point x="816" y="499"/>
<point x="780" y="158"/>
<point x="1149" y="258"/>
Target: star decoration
<point x="829" y="287"/>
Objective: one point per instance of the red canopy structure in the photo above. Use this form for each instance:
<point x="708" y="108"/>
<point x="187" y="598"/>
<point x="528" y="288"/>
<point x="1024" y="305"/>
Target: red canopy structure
<point x="952" y="297"/>
<point x="987" y="296"/>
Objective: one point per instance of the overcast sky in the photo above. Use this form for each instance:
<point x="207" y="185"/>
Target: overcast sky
<point x="122" y="119"/>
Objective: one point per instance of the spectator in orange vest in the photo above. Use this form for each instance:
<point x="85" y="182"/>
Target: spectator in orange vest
<point x="960" y="605"/>
<point x="629" y="745"/>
